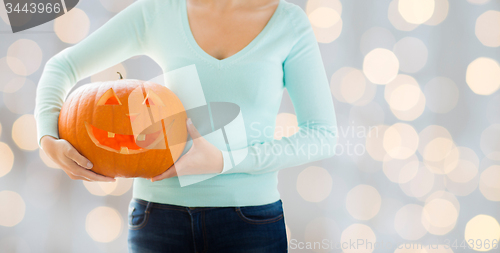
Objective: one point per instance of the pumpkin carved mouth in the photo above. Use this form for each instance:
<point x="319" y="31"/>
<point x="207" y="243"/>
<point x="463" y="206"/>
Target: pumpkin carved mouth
<point x="124" y="143"/>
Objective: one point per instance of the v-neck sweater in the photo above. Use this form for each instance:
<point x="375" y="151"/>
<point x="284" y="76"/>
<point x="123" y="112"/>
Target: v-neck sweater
<point x="285" y="54"/>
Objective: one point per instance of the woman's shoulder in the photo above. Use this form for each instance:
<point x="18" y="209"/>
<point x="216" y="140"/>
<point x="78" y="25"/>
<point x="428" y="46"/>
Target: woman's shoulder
<point x="296" y="17"/>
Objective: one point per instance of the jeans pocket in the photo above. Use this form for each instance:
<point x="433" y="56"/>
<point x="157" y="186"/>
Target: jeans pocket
<point x="138" y="213"/>
<point x="262" y="214"/>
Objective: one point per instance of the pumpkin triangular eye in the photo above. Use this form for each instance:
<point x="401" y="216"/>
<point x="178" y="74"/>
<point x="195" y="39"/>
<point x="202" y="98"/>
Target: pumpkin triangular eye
<point x="109" y="98"/>
<point x="152" y="99"/>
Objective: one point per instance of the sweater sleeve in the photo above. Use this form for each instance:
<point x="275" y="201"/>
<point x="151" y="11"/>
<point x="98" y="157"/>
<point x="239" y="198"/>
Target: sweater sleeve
<point x="117" y="40"/>
<point x="305" y="79"/>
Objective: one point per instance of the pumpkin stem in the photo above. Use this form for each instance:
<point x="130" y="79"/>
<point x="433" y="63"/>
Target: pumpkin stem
<point x="121" y="77"/>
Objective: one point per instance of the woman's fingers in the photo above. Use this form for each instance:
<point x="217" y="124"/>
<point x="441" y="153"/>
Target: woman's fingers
<point x="77" y="177"/>
<point x="193" y="132"/>
<point x="77" y="170"/>
<point x="170" y="172"/>
<point x="73" y="154"/>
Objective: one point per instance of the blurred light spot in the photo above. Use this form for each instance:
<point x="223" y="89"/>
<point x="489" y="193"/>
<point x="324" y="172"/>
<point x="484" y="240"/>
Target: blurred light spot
<point x="363" y="202"/>
<point x="438" y="150"/>
<point x="488" y="28"/>
<point x="321" y="14"/>
<point x="348" y="85"/>
<point x="404" y="97"/>
<point x="420" y="184"/>
<point x="327" y="35"/>
<point x="47" y="161"/>
<point x="380" y="66"/>
<point x="320" y="228"/>
<point x="478" y="2"/>
<point x="406" y="100"/>
<point x="73" y="26"/>
<point x="439" y="213"/>
<point x="355" y="232"/>
<point x="490" y="142"/>
<point x="286" y="125"/>
<point x="100" y="188"/>
<point x="7" y="76"/>
<point x="124" y="185"/>
<point x="400" y="141"/>
<point x="336" y="82"/>
<point x="488" y="184"/>
<point x="117" y="188"/>
<point x="412" y="54"/>
<point x="353" y="86"/>
<point x="315" y="4"/>
<point x="401" y="170"/>
<point x="441" y="94"/>
<point x="482" y="228"/>
<point x="115" y="6"/>
<point x="24" y="57"/>
<point x="24" y="132"/>
<point x="12" y="208"/>
<point x="314" y="184"/>
<point x="376" y="37"/>
<point x="430" y="133"/>
<point x="467" y="166"/>
<point x="446" y="196"/>
<point x="375" y="143"/>
<point x="483" y="76"/>
<point x="23" y="100"/>
<point x="110" y="74"/>
<point x="14" y="84"/>
<point x="324" y="17"/>
<point x="6" y="159"/>
<point x="104" y="224"/>
<point x="408" y="222"/>
<point x="416" y="11"/>
<point x="493" y="110"/>
<point x="441" y="148"/>
<point x="397" y="20"/>
<point x="440" y="12"/>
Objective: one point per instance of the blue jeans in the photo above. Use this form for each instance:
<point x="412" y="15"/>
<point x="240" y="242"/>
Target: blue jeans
<point x="155" y="227"/>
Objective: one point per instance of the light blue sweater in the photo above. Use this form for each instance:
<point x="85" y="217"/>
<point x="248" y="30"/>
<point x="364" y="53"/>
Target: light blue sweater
<point x="284" y="55"/>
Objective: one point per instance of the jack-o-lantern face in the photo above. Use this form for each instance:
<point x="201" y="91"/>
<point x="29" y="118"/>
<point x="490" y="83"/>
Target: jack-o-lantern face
<point x="127" y="128"/>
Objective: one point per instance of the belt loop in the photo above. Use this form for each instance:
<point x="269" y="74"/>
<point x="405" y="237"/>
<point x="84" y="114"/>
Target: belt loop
<point x="148" y="206"/>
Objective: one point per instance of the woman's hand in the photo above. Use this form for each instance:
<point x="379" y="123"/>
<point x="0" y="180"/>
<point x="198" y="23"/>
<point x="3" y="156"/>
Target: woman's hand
<point x="202" y="158"/>
<point x="73" y="163"/>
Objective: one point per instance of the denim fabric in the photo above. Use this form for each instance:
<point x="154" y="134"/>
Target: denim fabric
<point x="155" y="227"/>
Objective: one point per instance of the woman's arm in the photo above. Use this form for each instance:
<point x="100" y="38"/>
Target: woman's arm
<point x="307" y="84"/>
<point x="122" y="37"/>
<point x="119" y="39"/>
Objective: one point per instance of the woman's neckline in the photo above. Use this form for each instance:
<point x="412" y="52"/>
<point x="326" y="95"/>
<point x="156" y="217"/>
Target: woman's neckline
<point x="220" y="62"/>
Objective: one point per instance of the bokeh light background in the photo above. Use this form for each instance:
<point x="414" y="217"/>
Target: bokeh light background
<point x="415" y="84"/>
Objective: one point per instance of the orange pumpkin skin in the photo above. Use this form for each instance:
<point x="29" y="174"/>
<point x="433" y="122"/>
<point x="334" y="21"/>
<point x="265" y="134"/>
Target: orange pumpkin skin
<point x="123" y="127"/>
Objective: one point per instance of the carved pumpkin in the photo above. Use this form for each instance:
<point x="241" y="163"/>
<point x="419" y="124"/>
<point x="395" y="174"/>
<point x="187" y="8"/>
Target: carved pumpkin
<point x="126" y="128"/>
